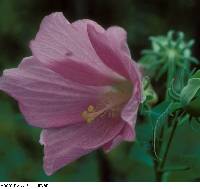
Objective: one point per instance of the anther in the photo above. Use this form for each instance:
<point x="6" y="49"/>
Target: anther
<point x="90" y="109"/>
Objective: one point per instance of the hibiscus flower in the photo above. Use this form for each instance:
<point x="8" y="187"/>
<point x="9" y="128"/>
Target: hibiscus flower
<point x="80" y="86"/>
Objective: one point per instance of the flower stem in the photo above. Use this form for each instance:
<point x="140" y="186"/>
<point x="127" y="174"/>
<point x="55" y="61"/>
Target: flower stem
<point x="170" y="74"/>
<point x="105" y="169"/>
<point x="166" y="150"/>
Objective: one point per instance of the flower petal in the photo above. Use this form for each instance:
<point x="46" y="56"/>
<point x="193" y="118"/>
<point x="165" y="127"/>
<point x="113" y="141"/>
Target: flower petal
<point x="119" y="38"/>
<point x="129" y="112"/>
<point x="60" y="44"/>
<point x="126" y="134"/>
<point x="81" y="25"/>
<point x="108" y="51"/>
<point x="118" y="34"/>
<point x="58" y="39"/>
<point x="64" y="145"/>
<point x="45" y="98"/>
<point x="122" y="64"/>
<point x="82" y="73"/>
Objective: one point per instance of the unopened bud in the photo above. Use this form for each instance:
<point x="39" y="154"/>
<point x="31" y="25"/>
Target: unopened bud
<point x="190" y="95"/>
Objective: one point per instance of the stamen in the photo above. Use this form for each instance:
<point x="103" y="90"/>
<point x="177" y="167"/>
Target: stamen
<point x="91" y="114"/>
<point x="90" y="109"/>
<point x="110" y="105"/>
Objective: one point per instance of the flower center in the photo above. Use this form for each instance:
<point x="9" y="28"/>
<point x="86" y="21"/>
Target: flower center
<point x="111" y="103"/>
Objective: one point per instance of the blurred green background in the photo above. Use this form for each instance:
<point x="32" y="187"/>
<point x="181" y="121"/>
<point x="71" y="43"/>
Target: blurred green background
<point x="21" y="154"/>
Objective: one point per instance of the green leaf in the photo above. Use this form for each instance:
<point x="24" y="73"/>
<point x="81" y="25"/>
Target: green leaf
<point x="139" y="154"/>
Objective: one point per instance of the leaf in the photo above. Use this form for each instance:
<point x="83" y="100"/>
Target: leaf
<point x="189" y="171"/>
<point x="160" y="113"/>
<point x="139" y="154"/>
<point x="159" y="116"/>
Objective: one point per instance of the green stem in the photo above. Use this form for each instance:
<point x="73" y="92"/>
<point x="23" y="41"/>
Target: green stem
<point x="157" y="161"/>
<point x="170" y="74"/>
<point x="166" y="150"/>
<point x="105" y="169"/>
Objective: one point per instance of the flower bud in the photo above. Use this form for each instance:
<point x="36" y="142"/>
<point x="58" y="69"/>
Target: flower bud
<point x="149" y="95"/>
<point x="167" y="54"/>
<point x="190" y="95"/>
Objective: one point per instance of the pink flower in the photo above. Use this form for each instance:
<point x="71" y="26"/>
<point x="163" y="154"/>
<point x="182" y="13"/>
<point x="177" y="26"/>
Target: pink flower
<point x="81" y="86"/>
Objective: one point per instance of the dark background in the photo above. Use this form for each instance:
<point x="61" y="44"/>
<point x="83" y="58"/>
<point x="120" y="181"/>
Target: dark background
<point x="20" y="152"/>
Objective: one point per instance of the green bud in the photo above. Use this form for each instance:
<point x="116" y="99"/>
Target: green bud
<point x="150" y="96"/>
<point x="190" y="95"/>
<point x="168" y="54"/>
